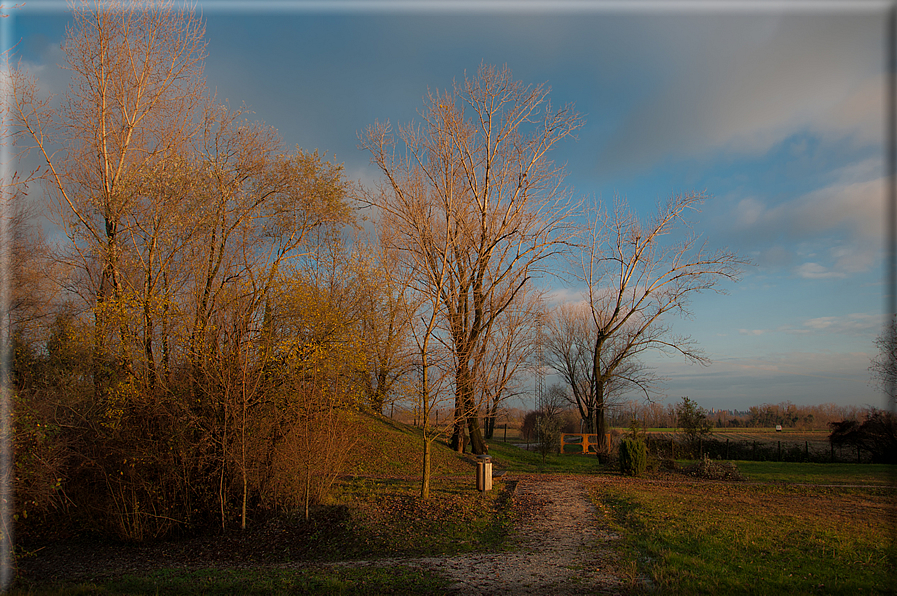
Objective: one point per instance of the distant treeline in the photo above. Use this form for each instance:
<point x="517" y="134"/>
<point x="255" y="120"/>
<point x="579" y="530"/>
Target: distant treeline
<point x="786" y="414"/>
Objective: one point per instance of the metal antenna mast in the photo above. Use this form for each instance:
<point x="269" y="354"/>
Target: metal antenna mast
<point x="540" y="361"/>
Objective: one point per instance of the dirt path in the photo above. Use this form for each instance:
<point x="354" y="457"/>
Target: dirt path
<point x="558" y="548"/>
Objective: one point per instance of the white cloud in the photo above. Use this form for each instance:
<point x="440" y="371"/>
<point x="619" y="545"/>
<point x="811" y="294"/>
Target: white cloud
<point x="565" y="295"/>
<point x="858" y="116"/>
<point x="857" y="324"/>
<point x="816" y="271"/>
<point x="854" y="206"/>
<point x="49" y="74"/>
<point x="769" y="80"/>
<point x="831" y="232"/>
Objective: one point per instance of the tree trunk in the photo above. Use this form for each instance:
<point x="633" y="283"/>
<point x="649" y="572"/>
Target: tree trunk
<point x="425" y="483"/>
<point x="466" y="411"/>
<point x="307" y="487"/>
<point x="457" y="442"/>
<point x="600" y="423"/>
<point x="477" y="444"/>
<point x="598" y="398"/>
<point x="243" y="458"/>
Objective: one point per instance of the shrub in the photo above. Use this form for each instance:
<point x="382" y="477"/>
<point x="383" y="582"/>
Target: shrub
<point x="709" y="469"/>
<point x="548" y="434"/>
<point x="633" y="457"/>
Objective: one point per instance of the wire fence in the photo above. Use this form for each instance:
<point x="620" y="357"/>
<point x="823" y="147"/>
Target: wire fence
<point x="676" y="447"/>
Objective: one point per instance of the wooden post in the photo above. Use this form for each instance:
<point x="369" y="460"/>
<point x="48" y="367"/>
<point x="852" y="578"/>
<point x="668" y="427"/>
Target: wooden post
<point x="832" y="451"/>
<point x="858" y="454"/>
<point x="780" y="451"/>
<point x="807" y="450"/>
<point x="672" y="449"/>
<point x="506" y="432"/>
<point x="727" y="449"/>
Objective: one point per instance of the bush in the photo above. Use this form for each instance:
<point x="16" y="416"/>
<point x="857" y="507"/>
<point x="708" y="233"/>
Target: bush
<point x="548" y="434"/>
<point x="633" y="457"/>
<point x="709" y="469"/>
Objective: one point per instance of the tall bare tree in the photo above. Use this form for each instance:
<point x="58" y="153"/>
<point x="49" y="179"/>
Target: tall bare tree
<point x="136" y="79"/>
<point x="386" y="319"/>
<point x="635" y="277"/>
<point x="509" y="354"/>
<point x="479" y="163"/>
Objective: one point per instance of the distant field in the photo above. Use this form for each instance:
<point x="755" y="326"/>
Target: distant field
<point x="512" y="434"/>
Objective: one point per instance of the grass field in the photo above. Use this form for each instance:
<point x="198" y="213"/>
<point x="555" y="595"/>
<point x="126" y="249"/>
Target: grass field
<point x="371" y="519"/>
<point x="506" y="456"/>
<point x="809" y="473"/>
<point x="711" y="538"/>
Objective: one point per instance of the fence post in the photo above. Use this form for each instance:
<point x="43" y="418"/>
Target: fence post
<point x="807" y="450"/>
<point x="506" y="432"/>
<point x="780" y="451"/>
<point x="755" y="451"/>
<point x="727" y="449"/>
<point x="832" y="450"/>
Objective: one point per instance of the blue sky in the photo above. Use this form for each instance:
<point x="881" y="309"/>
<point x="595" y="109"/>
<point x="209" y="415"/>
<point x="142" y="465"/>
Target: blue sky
<point x="776" y="112"/>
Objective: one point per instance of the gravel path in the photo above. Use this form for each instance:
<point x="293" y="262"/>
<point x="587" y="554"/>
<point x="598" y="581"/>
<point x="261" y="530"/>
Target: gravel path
<point x="559" y="547"/>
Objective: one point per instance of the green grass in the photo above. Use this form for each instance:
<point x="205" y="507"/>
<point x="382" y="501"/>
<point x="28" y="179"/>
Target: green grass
<point x="511" y="458"/>
<point x="319" y="580"/>
<point x="371" y="519"/>
<point x="384" y="515"/>
<point x="389" y="448"/>
<point x="808" y="473"/>
<point x="711" y="538"/>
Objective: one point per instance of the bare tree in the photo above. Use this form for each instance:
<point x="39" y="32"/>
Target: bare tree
<point x="884" y="366"/>
<point x="568" y="348"/>
<point x="136" y="79"/>
<point x="509" y="353"/>
<point x="384" y="283"/>
<point x="479" y="165"/>
<point x="634" y="279"/>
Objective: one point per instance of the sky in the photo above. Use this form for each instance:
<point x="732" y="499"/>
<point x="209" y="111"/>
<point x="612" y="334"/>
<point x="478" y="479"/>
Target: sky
<point x="776" y="110"/>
